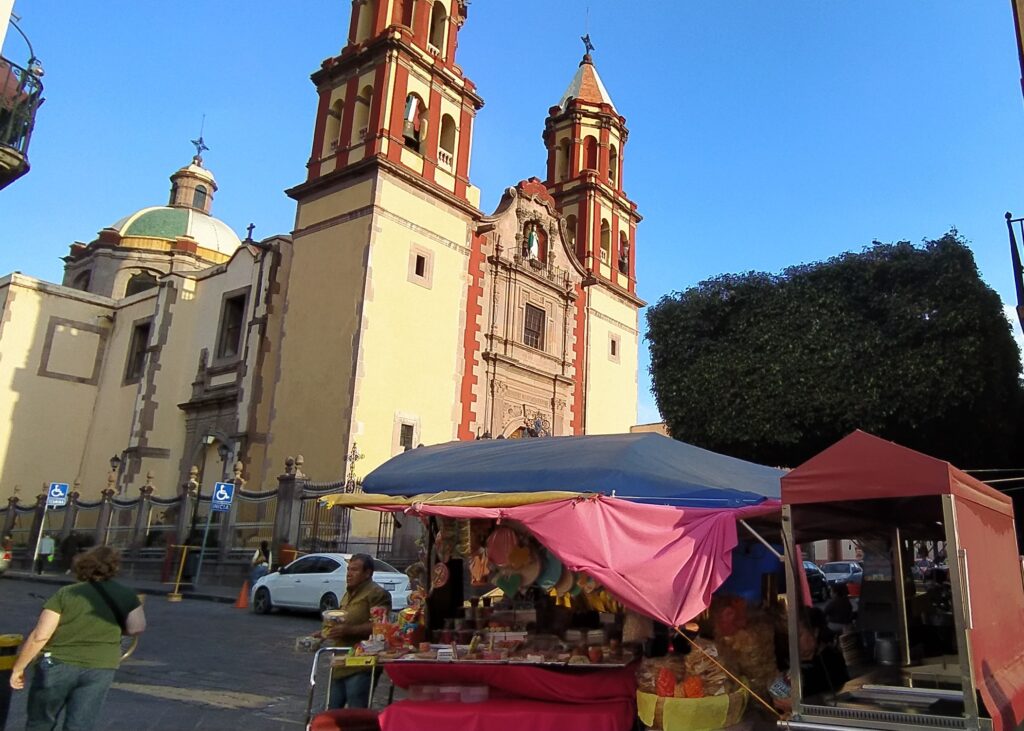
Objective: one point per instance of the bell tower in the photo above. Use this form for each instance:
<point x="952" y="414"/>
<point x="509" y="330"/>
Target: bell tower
<point x="378" y="270"/>
<point x="395" y="93"/>
<point x="585" y="137"/>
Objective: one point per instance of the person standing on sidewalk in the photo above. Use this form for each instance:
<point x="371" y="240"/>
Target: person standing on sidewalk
<point x="46" y="546"/>
<point x="79" y="633"/>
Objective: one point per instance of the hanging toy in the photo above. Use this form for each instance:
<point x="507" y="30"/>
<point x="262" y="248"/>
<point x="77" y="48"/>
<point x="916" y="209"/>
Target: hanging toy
<point x="479" y="568"/>
<point x="500" y="544"/>
<point x="439" y="576"/>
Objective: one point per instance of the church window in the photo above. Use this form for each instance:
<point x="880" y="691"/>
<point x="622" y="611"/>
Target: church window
<point x="590" y="153"/>
<point x="438" y="26"/>
<point x="415" y="121"/>
<point x="367" y="15"/>
<point x="405" y="436"/>
<point x="140" y="283"/>
<point x="232" y="321"/>
<point x="137" y="348"/>
<point x="421" y="266"/>
<point x="199" y="198"/>
<point x="562" y="155"/>
<point x="82" y="280"/>
<point x="606" y="243"/>
<point x="613" y="348"/>
<point x="570" y="230"/>
<point x="446" y="152"/>
<point x="613" y="167"/>
<point x="333" y="127"/>
<point x="361" y="119"/>
<point x="533" y="327"/>
<point x="623" y="253"/>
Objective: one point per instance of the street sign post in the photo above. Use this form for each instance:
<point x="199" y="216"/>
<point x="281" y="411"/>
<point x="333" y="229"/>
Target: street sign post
<point x="220" y="502"/>
<point x="56" y="497"/>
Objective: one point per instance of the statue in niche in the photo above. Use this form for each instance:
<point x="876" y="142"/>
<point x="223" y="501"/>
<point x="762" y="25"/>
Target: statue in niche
<point x="532" y="248"/>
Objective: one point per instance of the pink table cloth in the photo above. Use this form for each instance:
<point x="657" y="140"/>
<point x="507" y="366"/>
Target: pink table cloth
<point x="508" y="714"/>
<point x="553" y="699"/>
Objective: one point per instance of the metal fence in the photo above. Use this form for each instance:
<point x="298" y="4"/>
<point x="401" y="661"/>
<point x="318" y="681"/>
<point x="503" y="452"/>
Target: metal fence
<point x="145" y="527"/>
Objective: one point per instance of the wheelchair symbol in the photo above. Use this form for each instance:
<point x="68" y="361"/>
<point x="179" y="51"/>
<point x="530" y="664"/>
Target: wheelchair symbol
<point x="57" y="491"/>
<point x="222" y="494"/>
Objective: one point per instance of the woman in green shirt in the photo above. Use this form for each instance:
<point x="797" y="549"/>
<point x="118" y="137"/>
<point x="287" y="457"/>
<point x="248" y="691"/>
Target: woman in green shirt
<point x="79" y="632"/>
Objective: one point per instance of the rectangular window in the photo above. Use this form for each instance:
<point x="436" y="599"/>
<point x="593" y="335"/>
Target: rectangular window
<point x="421" y="266"/>
<point x="533" y="327"/>
<point x="232" y="321"/>
<point x="137" y="352"/>
<point x="405" y="437"/>
<point x="613" y="348"/>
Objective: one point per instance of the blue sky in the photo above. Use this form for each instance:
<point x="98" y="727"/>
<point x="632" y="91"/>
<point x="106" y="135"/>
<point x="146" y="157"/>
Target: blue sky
<point x="762" y="134"/>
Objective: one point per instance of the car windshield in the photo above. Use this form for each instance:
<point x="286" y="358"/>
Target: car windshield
<point x="810" y="566"/>
<point x="379" y="565"/>
<point x="837" y="568"/>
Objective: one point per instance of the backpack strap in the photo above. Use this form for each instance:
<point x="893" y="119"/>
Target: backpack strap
<point x="118" y="613"/>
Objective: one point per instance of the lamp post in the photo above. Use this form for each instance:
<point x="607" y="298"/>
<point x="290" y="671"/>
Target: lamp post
<point x="115" y="466"/>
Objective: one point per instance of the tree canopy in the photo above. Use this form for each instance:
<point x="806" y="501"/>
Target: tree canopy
<point x="903" y="341"/>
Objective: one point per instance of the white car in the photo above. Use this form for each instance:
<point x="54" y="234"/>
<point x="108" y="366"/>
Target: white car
<point x="317" y="582"/>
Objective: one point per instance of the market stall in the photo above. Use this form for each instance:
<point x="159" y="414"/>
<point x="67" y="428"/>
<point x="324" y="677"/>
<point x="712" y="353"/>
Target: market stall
<point x="637" y="527"/>
<point x="939" y="655"/>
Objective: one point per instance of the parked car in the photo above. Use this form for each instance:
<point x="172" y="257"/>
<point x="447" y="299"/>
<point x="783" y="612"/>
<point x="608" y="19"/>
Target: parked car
<point x="816" y="581"/>
<point x="317" y="582"/>
<point x="844" y="572"/>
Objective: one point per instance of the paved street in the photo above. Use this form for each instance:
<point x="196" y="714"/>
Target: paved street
<point x="200" y="665"/>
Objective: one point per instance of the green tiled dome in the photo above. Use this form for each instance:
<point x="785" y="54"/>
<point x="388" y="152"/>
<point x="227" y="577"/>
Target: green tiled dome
<point x="169" y="223"/>
<point x="164" y="223"/>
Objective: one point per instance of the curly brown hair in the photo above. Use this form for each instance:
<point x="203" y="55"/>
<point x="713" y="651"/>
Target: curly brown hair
<point x="99" y="564"/>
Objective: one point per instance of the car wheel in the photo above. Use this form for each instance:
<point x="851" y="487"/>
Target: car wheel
<point x="328" y="601"/>
<point x="261" y="601"/>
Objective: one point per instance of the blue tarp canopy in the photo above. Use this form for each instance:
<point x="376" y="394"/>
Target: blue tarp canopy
<point x="646" y="468"/>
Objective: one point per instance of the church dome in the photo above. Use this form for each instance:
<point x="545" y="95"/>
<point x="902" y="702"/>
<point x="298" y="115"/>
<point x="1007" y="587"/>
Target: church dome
<point x="172" y="222"/>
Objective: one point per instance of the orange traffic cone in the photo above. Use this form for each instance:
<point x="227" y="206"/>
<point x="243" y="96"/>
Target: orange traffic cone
<point x="243" y="596"/>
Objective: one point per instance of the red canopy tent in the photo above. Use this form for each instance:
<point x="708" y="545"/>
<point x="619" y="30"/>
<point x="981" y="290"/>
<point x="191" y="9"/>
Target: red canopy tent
<point x="847" y="482"/>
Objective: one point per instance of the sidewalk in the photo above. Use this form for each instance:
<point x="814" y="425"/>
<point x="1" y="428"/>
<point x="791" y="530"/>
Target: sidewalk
<point x="208" y="593"/>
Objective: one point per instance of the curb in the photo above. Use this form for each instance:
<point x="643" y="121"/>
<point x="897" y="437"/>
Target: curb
<point x="143" y="589"/>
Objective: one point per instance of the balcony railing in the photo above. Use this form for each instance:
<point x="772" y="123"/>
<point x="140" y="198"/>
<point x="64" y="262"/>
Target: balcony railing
<point x="21" y="93"/>
<point x="445" y="159"/>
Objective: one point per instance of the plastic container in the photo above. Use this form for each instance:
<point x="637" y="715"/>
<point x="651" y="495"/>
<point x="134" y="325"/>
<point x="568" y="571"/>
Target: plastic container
<point x="424" y="692"/>
<point x="450" y="693"/>
<point x="475" y="693"/>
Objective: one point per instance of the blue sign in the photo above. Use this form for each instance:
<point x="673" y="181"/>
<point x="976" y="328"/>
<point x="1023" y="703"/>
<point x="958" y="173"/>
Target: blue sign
<point x="57" y="495"/>
<point x="223" y="494"/>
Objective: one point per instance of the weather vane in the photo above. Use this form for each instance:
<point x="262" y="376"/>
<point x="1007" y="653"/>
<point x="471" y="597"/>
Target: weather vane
<point x="200" y="144"/>
<point x="586" y="43"/>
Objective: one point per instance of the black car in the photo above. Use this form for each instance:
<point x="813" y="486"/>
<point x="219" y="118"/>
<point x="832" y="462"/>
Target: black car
<point x="816" y="581"/>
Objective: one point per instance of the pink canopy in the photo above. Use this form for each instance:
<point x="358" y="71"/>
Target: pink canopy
<point x="664" y="562"/>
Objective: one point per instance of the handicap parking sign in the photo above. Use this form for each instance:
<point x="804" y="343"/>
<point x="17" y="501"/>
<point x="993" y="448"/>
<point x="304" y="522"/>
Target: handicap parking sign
<point x="57" y="495"/>
<point x="223" y="494"/>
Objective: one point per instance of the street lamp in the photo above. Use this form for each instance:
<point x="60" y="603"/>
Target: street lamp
<point x="115" y="463"/>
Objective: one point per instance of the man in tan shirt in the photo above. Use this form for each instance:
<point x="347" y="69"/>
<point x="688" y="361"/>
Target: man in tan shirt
<point x="351" y="686"/>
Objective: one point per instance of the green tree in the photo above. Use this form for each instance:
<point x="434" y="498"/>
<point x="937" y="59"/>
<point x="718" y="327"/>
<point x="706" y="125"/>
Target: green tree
<point x="906" y="342"/>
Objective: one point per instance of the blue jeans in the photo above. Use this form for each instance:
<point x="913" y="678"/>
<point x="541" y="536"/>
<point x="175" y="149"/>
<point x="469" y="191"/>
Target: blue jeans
<point x="76" y="690"/>
<point x="352" y="691"/>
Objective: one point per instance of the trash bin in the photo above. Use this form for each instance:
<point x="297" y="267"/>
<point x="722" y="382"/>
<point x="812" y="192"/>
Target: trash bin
<point x="9" y="645"/>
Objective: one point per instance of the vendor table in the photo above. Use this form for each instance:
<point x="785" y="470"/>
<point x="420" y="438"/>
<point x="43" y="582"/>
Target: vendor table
<point x="598" y="698"/>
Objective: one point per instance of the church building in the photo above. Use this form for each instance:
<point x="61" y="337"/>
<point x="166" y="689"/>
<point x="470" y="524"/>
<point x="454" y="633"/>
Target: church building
<point x="396" y="313"/>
